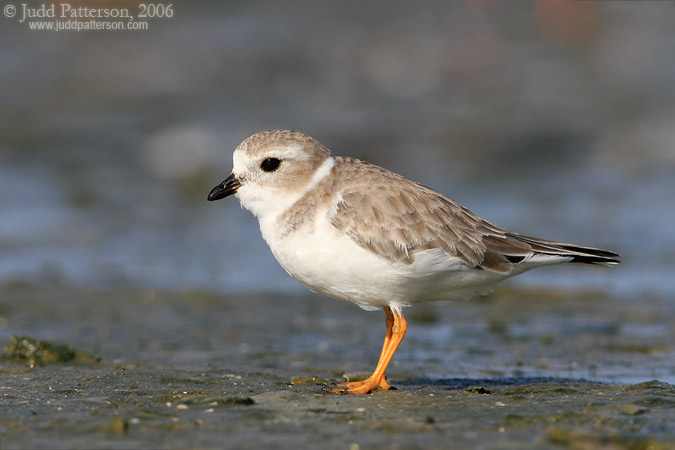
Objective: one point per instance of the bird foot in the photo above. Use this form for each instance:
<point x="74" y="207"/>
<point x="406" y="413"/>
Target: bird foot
<point x="359" y="387"/>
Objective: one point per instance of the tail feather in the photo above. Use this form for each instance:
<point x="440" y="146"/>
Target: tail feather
<point x="578" y="254"/>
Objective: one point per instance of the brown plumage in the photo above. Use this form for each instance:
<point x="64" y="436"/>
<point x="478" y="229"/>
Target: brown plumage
<point x="397" y="222"/>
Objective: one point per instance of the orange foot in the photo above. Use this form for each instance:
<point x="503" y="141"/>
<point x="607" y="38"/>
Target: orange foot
<point x="360" y="387"/>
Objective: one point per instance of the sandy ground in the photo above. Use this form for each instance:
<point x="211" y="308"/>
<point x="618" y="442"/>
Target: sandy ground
<point x="197" y="370"/>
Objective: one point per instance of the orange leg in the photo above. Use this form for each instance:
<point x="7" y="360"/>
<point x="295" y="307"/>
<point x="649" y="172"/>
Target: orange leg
<point x="396" y="328"/>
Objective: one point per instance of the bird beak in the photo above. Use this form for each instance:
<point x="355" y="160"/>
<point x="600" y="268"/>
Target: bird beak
<point x="224" y="189"/>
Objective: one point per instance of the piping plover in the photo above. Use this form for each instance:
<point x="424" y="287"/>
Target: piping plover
<point x="357" y="232"/>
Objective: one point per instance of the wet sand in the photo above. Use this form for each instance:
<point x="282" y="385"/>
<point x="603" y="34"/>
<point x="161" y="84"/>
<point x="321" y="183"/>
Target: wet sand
<point x="184" y="369"/>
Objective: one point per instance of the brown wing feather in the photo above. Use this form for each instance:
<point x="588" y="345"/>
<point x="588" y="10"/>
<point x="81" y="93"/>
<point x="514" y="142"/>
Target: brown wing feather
<point x="394" y="217"/>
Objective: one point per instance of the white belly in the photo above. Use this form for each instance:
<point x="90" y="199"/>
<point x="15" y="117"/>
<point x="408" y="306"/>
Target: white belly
<point x="329" y="262"/>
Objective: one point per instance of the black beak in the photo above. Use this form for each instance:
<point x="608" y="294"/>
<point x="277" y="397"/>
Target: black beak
<point x="224" y="189"/>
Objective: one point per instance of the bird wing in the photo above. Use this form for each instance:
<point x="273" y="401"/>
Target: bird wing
<point x="394" y="218"/>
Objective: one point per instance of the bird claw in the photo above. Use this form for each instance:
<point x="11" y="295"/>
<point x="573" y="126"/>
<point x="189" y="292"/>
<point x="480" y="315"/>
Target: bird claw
<point x="333" y="389"/>
<point x="356" y="387"/>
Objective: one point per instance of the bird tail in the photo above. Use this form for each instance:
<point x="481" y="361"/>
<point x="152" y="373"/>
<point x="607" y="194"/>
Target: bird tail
<point x="578" y="254"/>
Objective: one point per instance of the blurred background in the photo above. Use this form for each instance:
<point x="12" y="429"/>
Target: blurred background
<point x="550" y="118"/>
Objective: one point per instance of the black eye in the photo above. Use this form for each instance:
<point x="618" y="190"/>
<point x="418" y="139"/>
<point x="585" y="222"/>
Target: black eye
<point x="270" y="164"/>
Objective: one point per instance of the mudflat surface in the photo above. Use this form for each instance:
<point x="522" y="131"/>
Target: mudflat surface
<point x="519" y="369"/>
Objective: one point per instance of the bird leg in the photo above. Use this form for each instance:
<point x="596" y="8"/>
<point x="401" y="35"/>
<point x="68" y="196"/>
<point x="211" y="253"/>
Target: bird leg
<point x="396" y="328"/>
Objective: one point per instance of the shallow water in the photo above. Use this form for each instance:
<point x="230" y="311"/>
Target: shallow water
<point x="105" y="165"/>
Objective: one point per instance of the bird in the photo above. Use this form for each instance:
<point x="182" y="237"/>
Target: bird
<point x="357" y="232"/>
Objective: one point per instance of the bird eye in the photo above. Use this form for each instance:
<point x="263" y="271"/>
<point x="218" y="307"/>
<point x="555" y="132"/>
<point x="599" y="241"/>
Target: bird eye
<point x="270" y="164"/>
